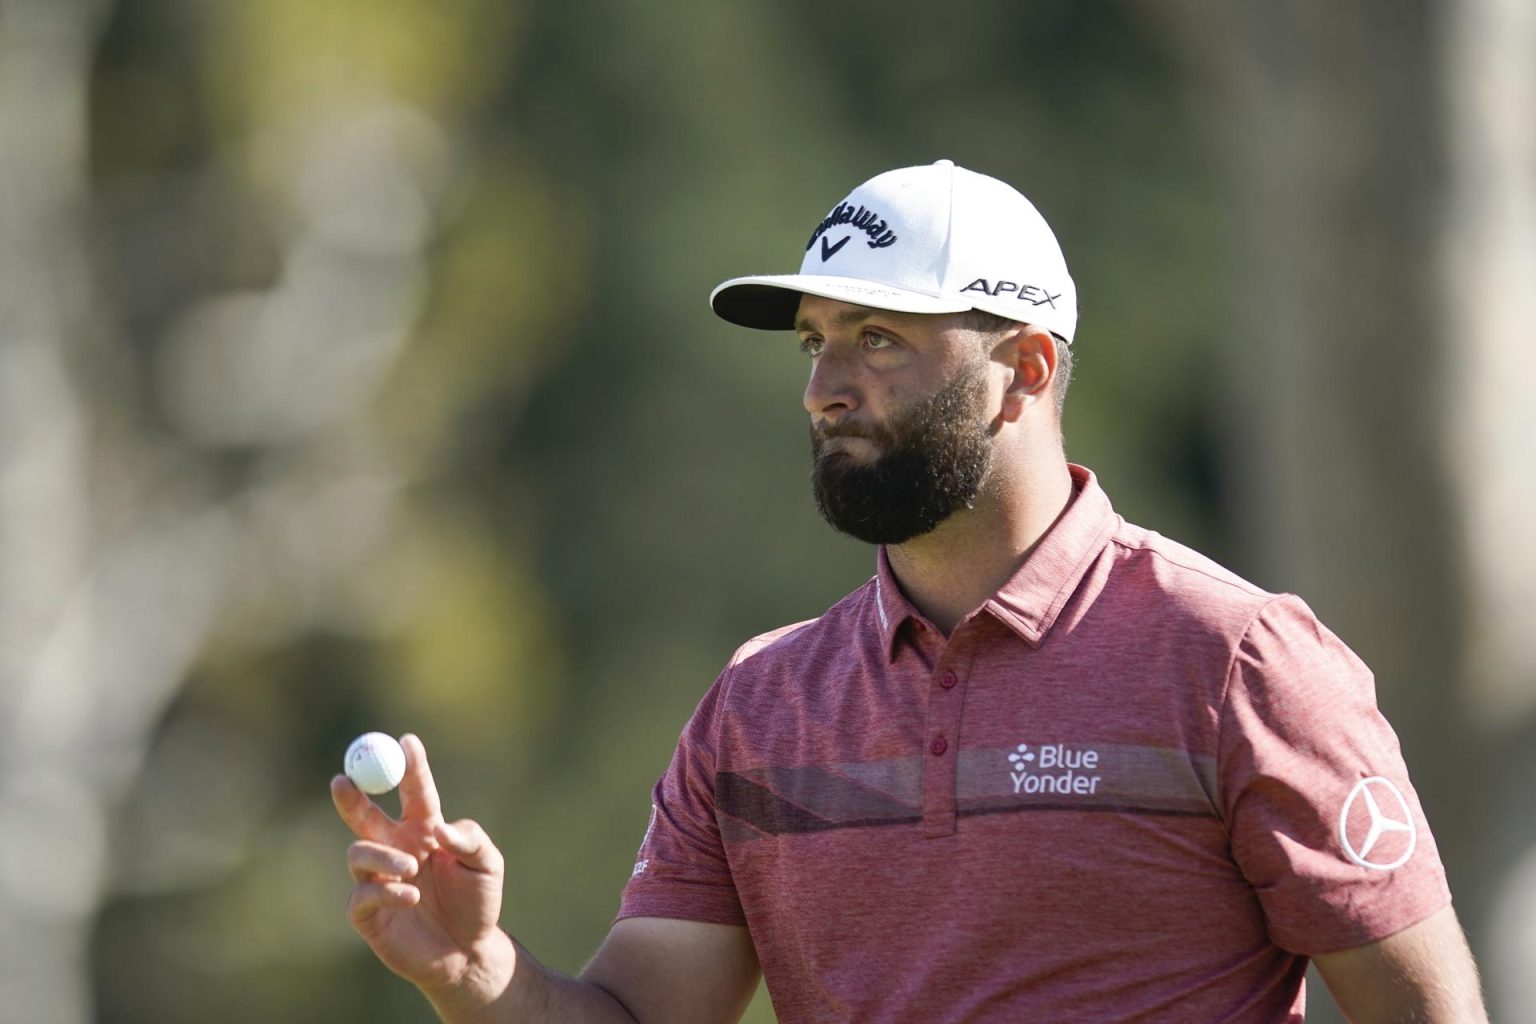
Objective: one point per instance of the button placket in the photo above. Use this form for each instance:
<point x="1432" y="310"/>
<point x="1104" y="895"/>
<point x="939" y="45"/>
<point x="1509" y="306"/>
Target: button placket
<point x="941" y="763"/>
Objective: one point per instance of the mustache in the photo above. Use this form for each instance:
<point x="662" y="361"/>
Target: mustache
<point x="821" y="432"/>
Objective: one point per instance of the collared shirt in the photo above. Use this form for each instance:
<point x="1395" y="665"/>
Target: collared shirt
<point x="1129" y="787"/>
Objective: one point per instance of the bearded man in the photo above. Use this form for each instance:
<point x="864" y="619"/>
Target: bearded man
<point x="1043" y="765"/>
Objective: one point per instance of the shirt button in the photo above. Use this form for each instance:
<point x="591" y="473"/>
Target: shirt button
<point x="948" y="679"/>
<point x="938" y="746"/>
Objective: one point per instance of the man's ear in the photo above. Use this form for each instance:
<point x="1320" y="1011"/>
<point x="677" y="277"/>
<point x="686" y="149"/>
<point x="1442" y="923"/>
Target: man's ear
<point x="1029" y="354"/>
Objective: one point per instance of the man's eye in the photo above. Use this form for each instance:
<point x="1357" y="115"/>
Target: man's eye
<point x="810" y="346"/>
<point x="874" y="339"/>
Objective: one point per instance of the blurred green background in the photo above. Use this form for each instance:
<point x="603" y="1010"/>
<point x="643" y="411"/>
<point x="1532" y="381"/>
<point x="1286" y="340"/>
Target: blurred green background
<point x="356" y="373"/>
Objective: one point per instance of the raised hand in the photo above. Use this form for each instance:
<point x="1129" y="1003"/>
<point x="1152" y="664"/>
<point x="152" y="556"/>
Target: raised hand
<point x="427" y="893"/>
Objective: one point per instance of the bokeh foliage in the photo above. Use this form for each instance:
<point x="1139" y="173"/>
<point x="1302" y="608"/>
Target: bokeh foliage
<point x="412" y="295"/>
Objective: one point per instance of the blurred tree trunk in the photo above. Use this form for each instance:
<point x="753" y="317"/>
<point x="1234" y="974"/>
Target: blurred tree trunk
<point x="52" y="817"/>
<point x="98" y="621"/>
<point x="120" y="545"/>
<point x="1380" y="456"/>
<point x="1488" y="263"/>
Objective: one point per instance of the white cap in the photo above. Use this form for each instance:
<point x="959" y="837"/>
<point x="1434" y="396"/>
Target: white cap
<point x="934" y="239"/>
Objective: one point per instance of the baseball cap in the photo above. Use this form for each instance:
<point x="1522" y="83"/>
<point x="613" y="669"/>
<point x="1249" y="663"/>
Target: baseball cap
<point x="930" y="239"/>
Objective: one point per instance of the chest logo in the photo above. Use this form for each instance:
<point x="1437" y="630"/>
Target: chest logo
<point x="1376" y="826"/>
<point x="1054" y="768"/>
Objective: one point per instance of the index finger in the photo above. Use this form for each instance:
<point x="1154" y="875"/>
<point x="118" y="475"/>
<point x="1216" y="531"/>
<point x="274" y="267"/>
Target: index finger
<point x="361" y="814"/>
<point x="418" y="793"/>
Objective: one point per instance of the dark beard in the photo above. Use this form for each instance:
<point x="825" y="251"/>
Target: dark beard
<point x="934" y="458"/>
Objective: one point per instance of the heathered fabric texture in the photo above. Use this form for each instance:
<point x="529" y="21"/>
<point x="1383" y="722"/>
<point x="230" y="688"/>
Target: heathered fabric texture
<point x="1113" y="794"/>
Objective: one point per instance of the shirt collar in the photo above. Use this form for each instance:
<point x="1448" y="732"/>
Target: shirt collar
<point x="1030" y="601"/>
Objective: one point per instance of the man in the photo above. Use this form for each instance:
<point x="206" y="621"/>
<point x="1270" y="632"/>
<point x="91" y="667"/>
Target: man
<point x="1044" y="765"/>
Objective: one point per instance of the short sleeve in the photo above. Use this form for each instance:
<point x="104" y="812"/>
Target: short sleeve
<point x="681" y="869"/>
<point x="1324" y="822"/>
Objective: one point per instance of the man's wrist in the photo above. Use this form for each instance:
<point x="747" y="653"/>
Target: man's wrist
<point x="479" y="993"/>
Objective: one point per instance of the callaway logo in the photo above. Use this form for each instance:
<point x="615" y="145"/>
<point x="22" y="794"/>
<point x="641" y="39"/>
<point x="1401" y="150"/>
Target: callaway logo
<point x="1027" y="292"/>
<point x="1052" y="757"/>
<point x="867" y="221"/>
<point x="828" y="251"/>
<point x="1381" y="835"/>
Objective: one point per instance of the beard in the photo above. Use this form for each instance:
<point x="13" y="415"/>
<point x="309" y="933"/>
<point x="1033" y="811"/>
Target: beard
<point x="933" y="460"/>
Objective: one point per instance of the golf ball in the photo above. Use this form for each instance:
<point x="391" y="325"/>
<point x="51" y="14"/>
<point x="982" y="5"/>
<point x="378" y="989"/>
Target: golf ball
<point x="375" y="762"/>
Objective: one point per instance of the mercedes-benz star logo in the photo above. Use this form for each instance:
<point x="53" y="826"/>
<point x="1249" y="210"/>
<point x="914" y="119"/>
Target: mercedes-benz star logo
<point x="1388" y="813"/>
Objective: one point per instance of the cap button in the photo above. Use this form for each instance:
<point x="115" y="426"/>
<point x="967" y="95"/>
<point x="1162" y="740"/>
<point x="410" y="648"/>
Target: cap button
<point x="946" y="163"/>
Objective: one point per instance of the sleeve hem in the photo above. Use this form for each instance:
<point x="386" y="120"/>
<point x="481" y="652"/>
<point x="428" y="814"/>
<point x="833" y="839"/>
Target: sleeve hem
<point x="1359" y="933"/>
<point x="705" y="912"/>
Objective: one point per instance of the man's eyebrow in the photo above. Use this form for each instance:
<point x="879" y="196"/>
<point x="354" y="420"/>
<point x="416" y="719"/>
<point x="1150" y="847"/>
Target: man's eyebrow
<point x="848" y="318"/>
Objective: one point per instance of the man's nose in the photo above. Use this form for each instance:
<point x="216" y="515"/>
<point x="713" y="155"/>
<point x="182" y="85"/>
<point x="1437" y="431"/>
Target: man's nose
<point x="831" y="393"/>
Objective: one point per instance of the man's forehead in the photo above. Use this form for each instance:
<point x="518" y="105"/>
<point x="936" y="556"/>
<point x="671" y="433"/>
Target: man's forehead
<point x="817" y="314"/>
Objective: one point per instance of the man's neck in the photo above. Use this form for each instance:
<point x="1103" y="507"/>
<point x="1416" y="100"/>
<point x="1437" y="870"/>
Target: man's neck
<point x="949" y="573"/>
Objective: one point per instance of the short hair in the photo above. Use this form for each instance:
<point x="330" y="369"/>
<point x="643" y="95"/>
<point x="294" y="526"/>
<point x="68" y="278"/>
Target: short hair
<point x="990" y="323"/>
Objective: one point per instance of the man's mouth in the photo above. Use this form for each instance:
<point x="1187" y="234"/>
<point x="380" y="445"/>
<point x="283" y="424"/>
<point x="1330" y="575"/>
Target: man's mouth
<point x="861" y="449"/>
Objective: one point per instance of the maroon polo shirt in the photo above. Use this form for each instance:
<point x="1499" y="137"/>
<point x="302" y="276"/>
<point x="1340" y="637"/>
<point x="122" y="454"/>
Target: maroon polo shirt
<point x="1129" y="787"/>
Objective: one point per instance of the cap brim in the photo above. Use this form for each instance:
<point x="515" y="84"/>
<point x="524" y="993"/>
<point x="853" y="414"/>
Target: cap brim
<point x="769" y="303"/>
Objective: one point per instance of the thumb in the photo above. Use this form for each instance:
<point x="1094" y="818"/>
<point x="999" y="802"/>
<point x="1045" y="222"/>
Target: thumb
<point x="469" y="844"/>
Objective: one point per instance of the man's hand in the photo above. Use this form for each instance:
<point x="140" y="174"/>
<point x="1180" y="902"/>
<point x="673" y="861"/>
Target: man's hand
<point x="428" y="893"/>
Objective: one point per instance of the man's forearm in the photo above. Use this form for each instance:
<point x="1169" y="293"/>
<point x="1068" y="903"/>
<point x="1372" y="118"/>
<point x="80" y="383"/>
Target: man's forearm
<point x="1425" y="973"/>
<point x="504" y="984"/>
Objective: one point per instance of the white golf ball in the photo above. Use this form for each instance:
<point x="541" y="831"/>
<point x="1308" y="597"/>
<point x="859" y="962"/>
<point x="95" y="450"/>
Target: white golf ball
<point x="376" y="762"/>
